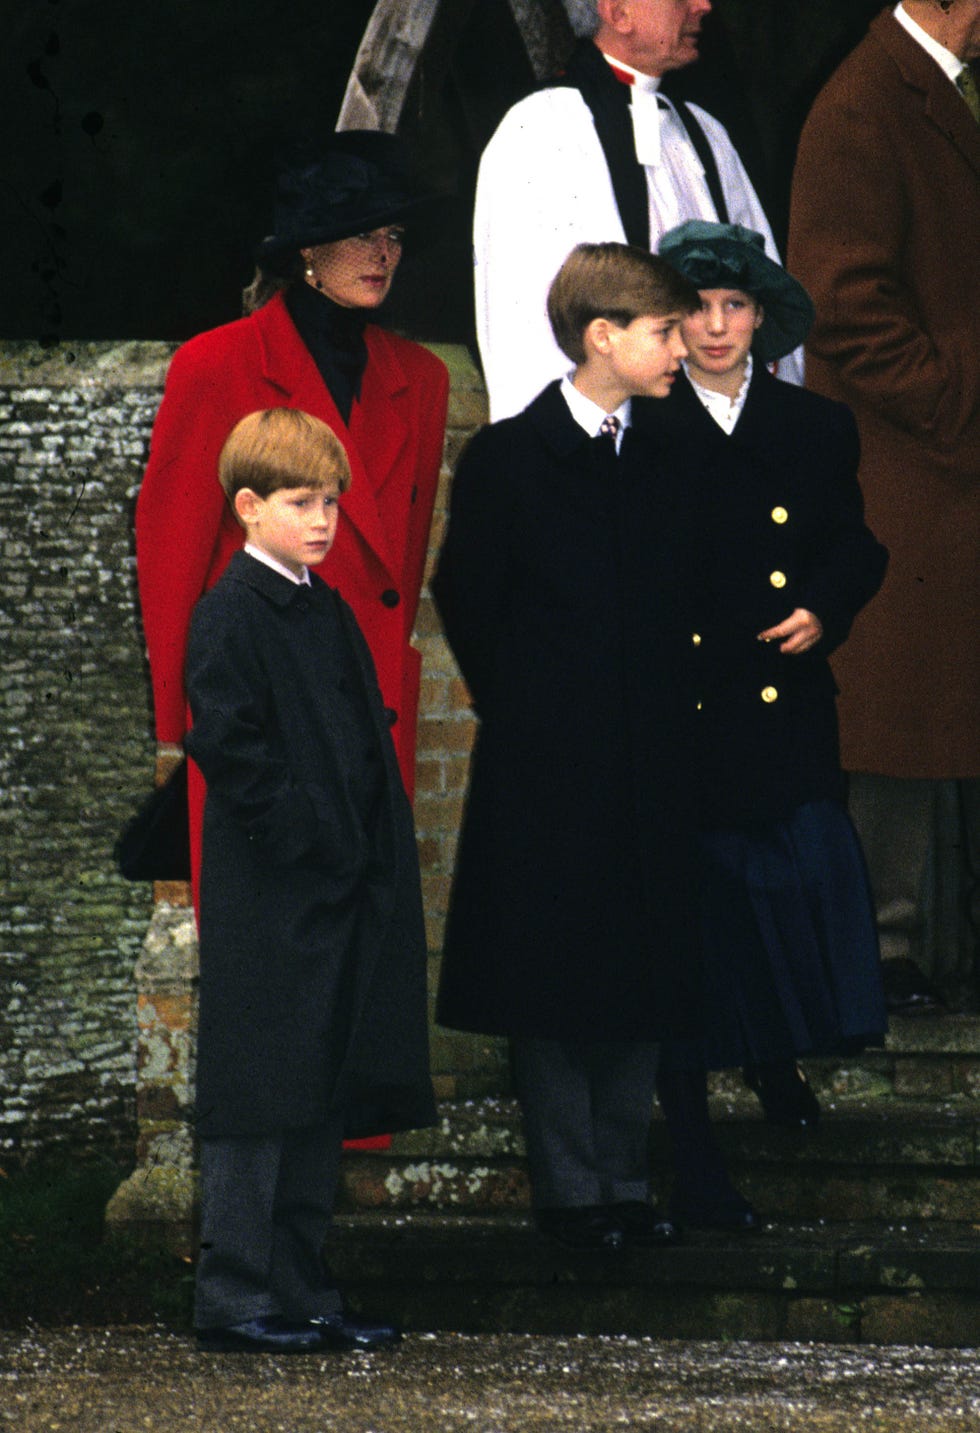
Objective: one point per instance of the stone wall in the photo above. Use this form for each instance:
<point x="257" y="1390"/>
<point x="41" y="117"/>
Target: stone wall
<point x="77" y="753"/>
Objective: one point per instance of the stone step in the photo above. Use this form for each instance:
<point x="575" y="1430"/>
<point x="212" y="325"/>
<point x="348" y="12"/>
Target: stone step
<point x="883" y="1158"/>
<point x="834" y="1282"/>
<point x="924" y="1056"/>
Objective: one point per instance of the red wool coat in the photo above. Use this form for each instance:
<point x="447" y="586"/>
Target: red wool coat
<point x="186" y="532"/>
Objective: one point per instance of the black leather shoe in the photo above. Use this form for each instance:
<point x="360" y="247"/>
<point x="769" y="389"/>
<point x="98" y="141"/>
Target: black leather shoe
<point x="342" y="1331"/>
<point x="642" y="1224"/>
<point x="728" y="1212"/>
<point x="907" y="990"/>
<point x="271" y="1334"/>
<point x="784" y="1094"/>
<point x="581" y="1227"/>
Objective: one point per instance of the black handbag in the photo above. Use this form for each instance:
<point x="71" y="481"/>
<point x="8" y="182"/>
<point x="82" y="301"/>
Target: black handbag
<point x="155" y="845"/>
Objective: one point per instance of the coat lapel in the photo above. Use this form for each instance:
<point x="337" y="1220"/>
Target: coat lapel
<point x="289" y="367"/>
<point x="378" y="421"/>
<point x="948" y="111"/>
<point x="671" y="419"/>
<point x="548" y="414"/>
<point x="756" y="418"/>
<point x="942" y="105"/>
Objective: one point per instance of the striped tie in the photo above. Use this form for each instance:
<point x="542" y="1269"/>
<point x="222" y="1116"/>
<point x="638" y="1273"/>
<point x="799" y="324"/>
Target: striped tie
<point x="605" y="446"/>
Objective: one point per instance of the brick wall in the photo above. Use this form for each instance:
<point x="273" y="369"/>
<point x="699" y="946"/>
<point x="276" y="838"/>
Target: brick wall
<point x="77" y="751"/>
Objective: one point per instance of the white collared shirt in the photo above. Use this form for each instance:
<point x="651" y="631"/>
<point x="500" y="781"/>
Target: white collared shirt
<point x="261" y="556"/>
<point x="950" y="64"/>
<point x="724" y="410"/>
<point x="590" y="416"/>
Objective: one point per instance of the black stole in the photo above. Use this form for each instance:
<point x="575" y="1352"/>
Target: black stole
<point x="608" y="100"/>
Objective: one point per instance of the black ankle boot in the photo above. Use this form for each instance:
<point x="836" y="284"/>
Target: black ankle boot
<point x="703" y="1195"/>
<point x="784" y="1093"/>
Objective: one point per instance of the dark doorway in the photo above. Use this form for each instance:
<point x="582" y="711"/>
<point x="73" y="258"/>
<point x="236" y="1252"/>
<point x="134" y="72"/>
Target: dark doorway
<point x="136" y="174"/>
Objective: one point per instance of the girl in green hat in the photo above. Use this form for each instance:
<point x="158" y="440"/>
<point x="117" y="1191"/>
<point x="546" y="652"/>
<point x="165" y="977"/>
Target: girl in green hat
<point x="786" y="563"/>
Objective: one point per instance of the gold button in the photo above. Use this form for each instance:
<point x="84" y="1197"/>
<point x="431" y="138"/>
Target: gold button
<point x="778" y="579"/>
<point x="769" y="694"/>
<point x="779" y="515"/>
<point x="696" y="638"/>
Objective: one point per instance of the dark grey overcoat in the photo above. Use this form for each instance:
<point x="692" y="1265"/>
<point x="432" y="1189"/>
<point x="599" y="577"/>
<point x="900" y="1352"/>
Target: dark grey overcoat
<point x="571" y="913"/>
<point x="313" y="955"/>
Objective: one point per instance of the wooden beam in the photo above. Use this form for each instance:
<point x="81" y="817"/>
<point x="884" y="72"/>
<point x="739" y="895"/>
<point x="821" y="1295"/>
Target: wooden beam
<point x="546" y="27"/>
<point x="385" y="63"/>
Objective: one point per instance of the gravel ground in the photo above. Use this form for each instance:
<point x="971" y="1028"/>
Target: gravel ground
<point x="129" y="1380"/>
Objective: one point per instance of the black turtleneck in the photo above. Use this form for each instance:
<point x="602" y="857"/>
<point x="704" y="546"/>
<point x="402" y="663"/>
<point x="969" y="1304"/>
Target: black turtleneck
<point x="335" y="337"/>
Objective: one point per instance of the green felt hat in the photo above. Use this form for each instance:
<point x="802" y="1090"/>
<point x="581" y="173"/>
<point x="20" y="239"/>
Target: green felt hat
<point x="729" y="256"/>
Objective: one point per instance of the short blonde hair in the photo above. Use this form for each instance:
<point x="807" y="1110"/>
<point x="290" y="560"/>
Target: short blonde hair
<point x="278" y="448"/>
<point x="613" y="281"/>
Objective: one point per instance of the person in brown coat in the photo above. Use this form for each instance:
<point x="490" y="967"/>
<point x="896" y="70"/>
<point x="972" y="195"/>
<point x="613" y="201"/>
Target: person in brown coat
<point x="884" y="233"/>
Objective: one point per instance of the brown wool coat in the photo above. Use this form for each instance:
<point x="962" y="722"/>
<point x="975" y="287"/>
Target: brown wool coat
<point x="885" y="234"/>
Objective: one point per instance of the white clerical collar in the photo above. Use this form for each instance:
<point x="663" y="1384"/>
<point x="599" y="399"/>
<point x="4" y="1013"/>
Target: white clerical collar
<point x="644" y="110"/>
<point x="646" y="84"/>
<point x="589" y="415"/>
<point x="950" y="64"/>
<point x="283" y="571"/>
<point x="724" y="410"/>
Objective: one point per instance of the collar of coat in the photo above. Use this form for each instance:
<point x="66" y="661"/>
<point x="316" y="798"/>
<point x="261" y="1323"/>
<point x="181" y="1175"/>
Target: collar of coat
<point x="683" y="411"/>
<point x="550" y="416"/>
<point x="942" y="104"/>
<point x="243" y="567"/>
<point x="650" y="416"/>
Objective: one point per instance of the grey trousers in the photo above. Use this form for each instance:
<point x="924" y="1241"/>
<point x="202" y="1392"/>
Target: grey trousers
<point x="921" y="840"/>
<point x="587" y="1109"/>
<point x="266" y="1206"/>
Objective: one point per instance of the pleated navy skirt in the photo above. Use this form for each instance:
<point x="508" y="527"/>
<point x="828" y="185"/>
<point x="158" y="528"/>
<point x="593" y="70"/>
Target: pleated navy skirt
<point x="790" y="944"/>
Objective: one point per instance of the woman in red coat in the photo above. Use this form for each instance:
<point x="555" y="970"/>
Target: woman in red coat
<point x="305" y="343"/>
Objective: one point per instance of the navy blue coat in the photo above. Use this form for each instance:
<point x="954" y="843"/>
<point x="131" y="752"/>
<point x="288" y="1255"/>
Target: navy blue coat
<point x="572" y="910"/>
<point x="313" y="953"/>
<point x="778" y="523"/>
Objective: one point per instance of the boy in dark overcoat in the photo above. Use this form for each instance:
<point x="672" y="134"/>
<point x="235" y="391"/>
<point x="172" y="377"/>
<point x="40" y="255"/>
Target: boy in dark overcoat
<point x="313" y="958"/>
<point x="572" y="925"/>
